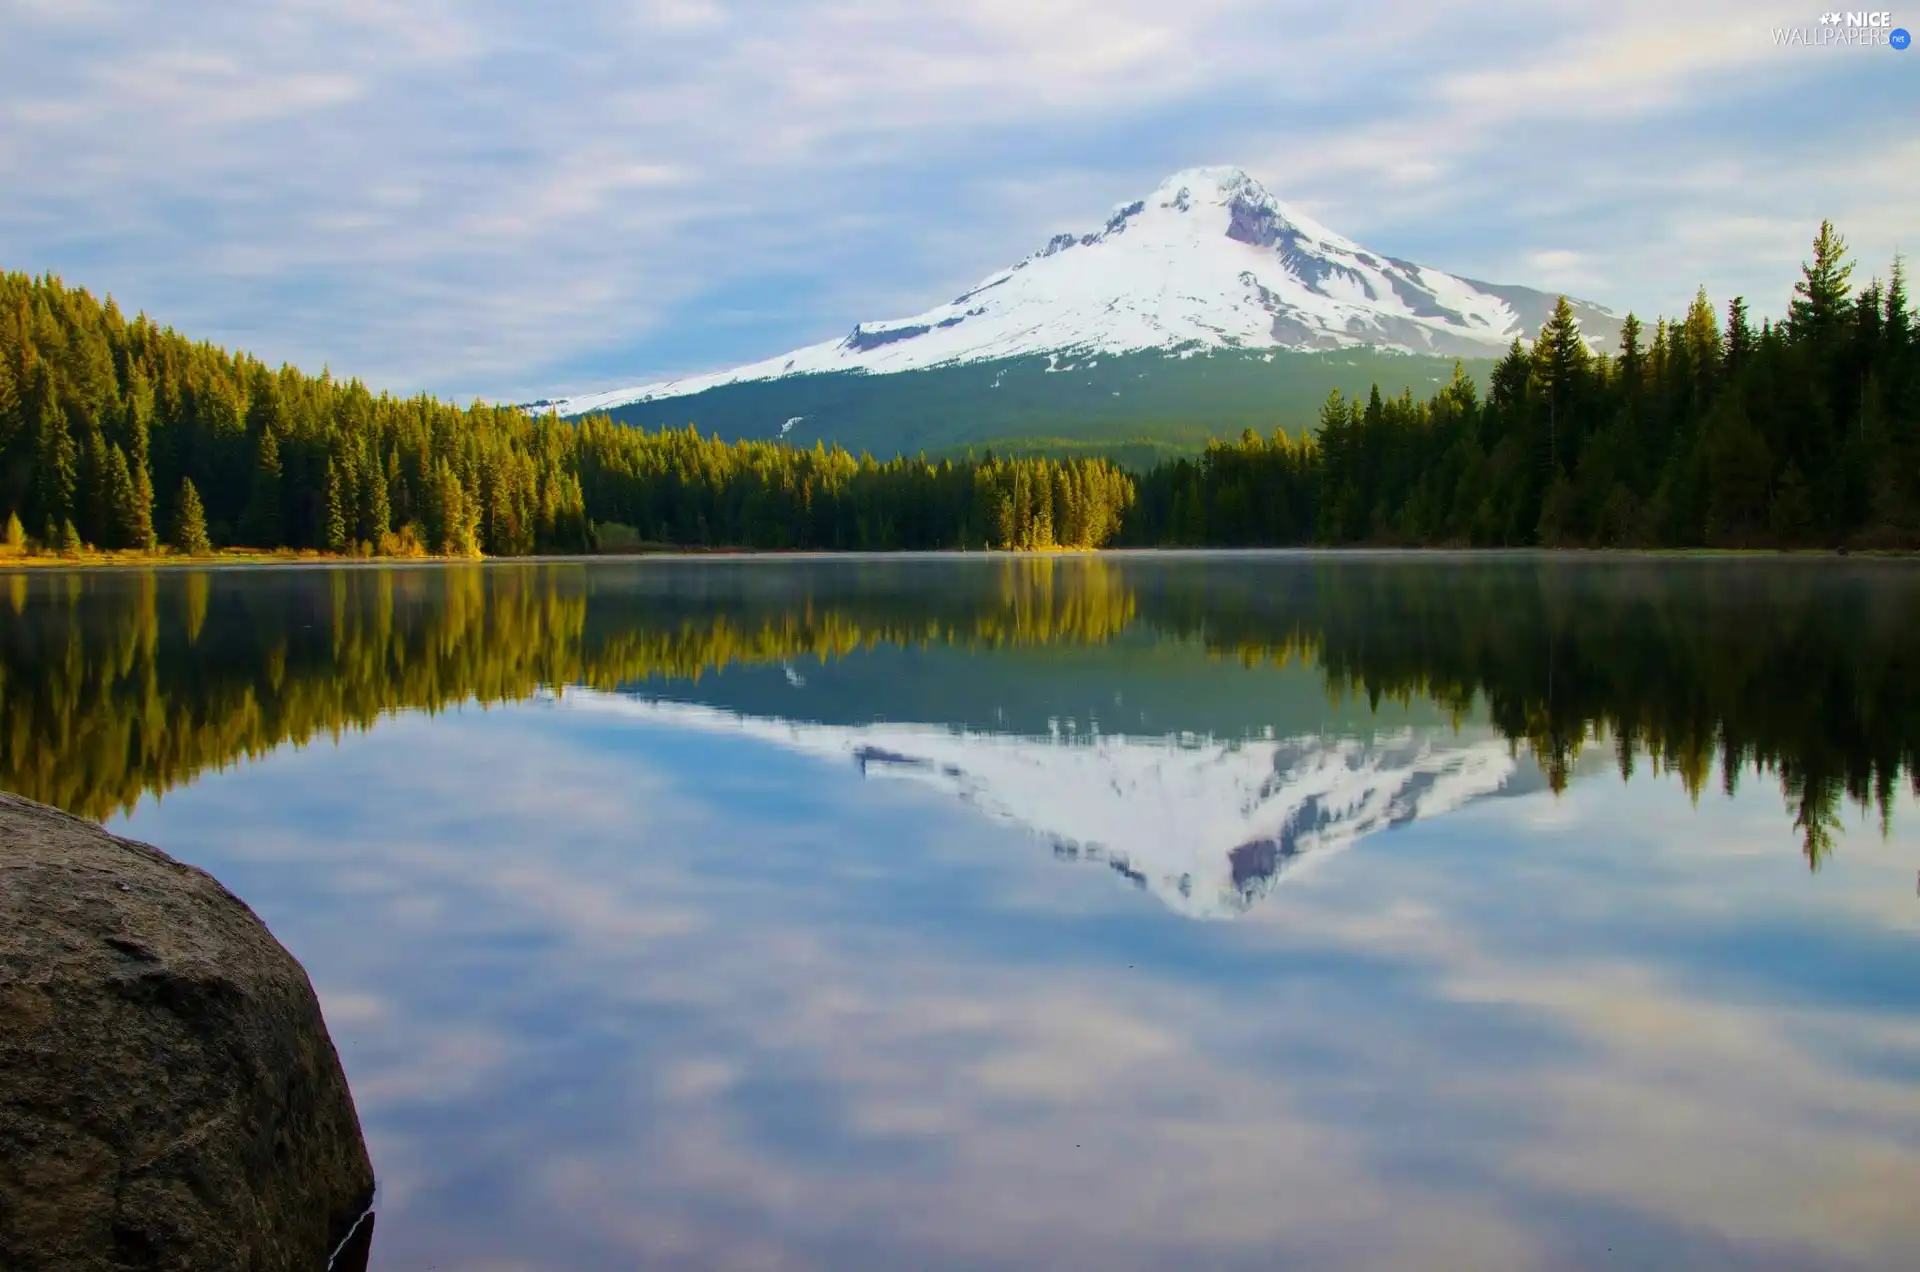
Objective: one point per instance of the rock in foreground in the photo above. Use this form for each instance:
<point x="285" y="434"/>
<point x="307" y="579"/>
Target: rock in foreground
<point x="169" y="1097"/>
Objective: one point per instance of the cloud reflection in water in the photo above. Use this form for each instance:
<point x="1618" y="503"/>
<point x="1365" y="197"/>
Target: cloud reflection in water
<point x="614" y="993"/>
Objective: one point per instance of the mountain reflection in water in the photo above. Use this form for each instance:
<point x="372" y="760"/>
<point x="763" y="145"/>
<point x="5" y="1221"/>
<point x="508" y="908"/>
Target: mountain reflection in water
<point x="117" y="684"/>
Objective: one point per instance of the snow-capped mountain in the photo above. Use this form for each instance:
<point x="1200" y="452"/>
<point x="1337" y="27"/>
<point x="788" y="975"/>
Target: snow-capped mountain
<point x="1208" y="826"/>
<point x="1208" y="261"/>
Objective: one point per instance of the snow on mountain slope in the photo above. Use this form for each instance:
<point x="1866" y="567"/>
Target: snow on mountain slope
<point x="1208" y="826"/>
<point x="1208" y="260"/>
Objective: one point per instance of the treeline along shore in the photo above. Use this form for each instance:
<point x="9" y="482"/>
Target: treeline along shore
<point x="118" y="434"/>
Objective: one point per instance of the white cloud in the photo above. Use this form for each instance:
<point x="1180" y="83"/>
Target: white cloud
<point x="482" y="197"/>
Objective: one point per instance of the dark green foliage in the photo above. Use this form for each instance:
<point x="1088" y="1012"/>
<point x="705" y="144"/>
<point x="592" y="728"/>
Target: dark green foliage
<point x="280" y="459"/>
<point x="1820" y="297"/>
<point x="333" y="530"/>
<point x="130" y="523"/>
<point x="1258" y="490"/>
<point x="1803" y="434"/>
<point x="260" y="524"/>
<point x="190" y="522"/>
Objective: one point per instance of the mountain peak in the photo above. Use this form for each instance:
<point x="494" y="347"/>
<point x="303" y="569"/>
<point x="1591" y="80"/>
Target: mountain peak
<point x="1209" y="260"/>
<point x="1222" y="180"/>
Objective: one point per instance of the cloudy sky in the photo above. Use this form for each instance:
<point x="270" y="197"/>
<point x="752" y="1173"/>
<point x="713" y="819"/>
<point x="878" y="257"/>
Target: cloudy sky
<point x="476" y="197"/>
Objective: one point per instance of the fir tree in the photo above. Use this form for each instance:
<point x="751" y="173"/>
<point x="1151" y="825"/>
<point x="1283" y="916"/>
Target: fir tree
<point x="1632" y="356"/>
<point x="9" y="405"/>
<point x="333" y="512"/>
<point x="97" y="519"/>
<point x="54" y="459"/>
<point x="139" y="413"/>
<point x="16" y="535"/>
<point x="260" y="523"/>
<point x="1560" y="362"/>
<point x="376" y="513"/>
<point x="1701" y="332"/>
<point x="1739" y="341"/>
<point x="129" y="522"/>
<point x="1820" y="297"/>
<point x="1898" y="323"/>
<point x="190" y="522"/>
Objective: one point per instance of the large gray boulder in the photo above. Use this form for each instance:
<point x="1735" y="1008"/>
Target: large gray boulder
<point x="169" y="1097"/>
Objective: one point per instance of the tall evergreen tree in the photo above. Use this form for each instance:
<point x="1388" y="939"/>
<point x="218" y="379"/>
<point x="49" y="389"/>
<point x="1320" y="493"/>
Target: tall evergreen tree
<point x="376" y="513"/>
<point x="1820" y="297"/>
<point x="333" y="525"/>
<point x="1898" y="322"/>
<point x="54" y="459"/>
<point x="1560" y="360"/>
<point x="190" y="522"/>
<point x="139" y="417"/>
<point x="1739" y="341"/>
<point x="261" y="523"/>
<point x="10" y="423"/>
<point x="130" y="524"/>
<point x="1700" y="330"/>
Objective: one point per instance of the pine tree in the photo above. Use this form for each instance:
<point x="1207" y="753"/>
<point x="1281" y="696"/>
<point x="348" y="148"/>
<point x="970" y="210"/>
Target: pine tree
<point x="16" y="538"/>
<point x="333" y="524"/>
<point x="1632" y="355"/>
<point x="376" y="513"/>
<point x="138" y="414"/>
<point x="261" y="523"/>
<point x="1739" y="341"/>
<point x="1820" y="297"/>
<point x="9" y="405"/>
<point x="399" y="499"/>
<point x="55" y="461"/>
<point x="190" y="522"/>
<point x="96" y="517"/>
<point x="1898" y="323"/>
<point x="1560" y="363"/>
<point x="69" y="542"/>
<point x="126" y="521"/>
<point x="1701" y="332"/>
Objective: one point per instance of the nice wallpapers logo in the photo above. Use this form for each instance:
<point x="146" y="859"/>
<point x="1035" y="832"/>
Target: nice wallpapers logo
<point x="1864" y="30"/>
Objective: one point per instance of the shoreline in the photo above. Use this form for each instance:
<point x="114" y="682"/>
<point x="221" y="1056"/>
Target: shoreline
<point x="241" y="559"/>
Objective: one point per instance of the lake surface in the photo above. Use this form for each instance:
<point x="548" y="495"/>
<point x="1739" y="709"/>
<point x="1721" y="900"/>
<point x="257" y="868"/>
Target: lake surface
<point x="1097" y="912"/>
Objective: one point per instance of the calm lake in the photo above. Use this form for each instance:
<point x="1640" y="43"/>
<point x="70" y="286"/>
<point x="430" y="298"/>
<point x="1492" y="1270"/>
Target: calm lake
<point x="1099" y="912"/>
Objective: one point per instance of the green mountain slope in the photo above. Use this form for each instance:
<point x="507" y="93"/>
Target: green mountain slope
<point x="1136" y="407"/>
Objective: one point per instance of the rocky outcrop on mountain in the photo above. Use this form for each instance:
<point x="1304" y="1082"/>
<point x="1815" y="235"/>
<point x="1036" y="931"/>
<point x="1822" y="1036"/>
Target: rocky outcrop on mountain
<point x="169" y="1096"/>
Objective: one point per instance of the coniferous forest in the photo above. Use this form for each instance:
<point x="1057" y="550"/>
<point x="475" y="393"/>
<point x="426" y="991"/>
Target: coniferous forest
<point x="1707" y="431"/>
<point x="117" y="433"/>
